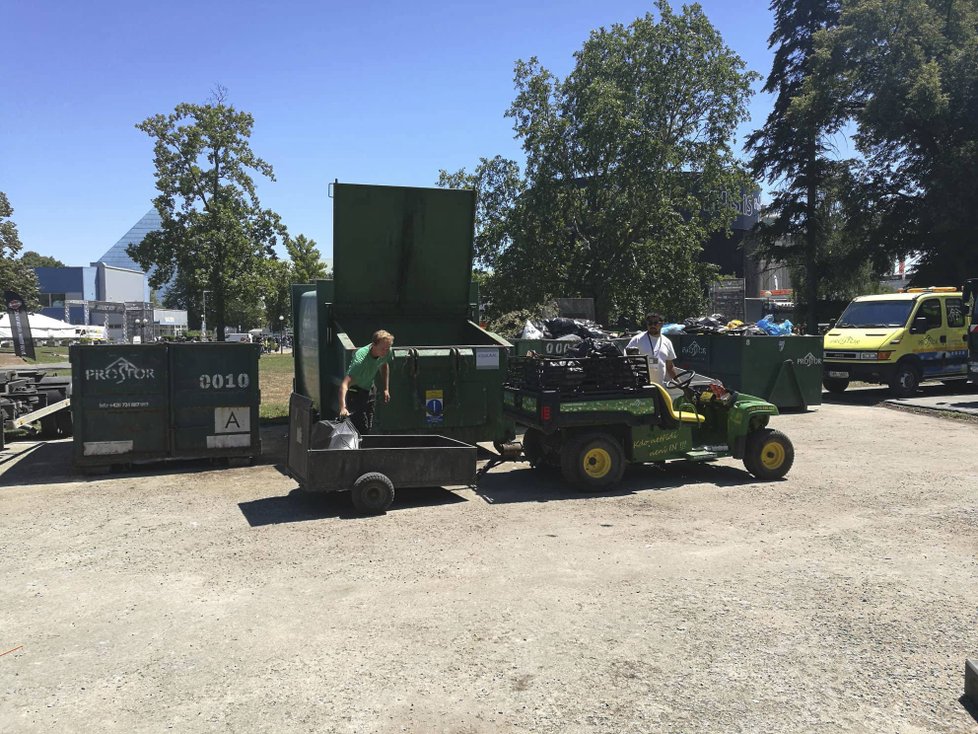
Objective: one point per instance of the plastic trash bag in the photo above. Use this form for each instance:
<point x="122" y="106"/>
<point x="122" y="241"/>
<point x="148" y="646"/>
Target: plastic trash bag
<point x="771" y="328"/>
<point x="669" y="329"/>
<point x="531" y="332"/>
<point x="345" y="435"/>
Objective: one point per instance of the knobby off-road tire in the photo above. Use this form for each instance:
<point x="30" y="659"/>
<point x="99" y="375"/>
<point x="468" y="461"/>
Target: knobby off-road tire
<point x="372" y="494"/>
<point x="592" y="462"/>
<point x="769" y="454"/>
<point x="533" y="448"/>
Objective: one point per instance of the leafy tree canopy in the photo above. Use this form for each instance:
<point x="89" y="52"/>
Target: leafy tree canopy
<point x="35" y="260"/>
<point x="307" y="264"/>
<point x="14" y="273"/>
<point x="214" y="230"/>
<point x="907" y="73"/>
<point x="629" y="168"/>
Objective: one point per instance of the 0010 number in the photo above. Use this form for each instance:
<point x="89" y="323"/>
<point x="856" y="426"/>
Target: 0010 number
<point x="224" y="382"/>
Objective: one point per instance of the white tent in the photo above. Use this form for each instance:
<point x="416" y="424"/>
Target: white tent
<point x="42" y="327"/>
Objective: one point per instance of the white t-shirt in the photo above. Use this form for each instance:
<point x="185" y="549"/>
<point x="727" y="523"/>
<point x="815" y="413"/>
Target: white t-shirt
<point x="659" y="349"/>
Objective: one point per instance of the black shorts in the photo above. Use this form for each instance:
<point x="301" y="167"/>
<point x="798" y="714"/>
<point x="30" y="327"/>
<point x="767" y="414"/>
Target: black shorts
<point x="361" y="404"/>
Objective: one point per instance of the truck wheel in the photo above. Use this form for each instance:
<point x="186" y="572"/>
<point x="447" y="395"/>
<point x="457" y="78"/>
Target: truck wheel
<point x="64" y="422"/>
<point x="373" y="493"/>
<point x="533" y="448"/>
<point x="593" y="461"/>
<point x="835" y="385"/>
<point x="905" y="381"/>
<point x="768" y="454"/>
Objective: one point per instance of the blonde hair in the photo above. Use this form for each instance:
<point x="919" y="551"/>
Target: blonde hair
<point x="382" y="336"/>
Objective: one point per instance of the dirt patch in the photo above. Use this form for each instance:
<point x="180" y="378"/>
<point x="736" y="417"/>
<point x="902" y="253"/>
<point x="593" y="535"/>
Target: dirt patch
<point x="11" y="360"/>
<point x="690" y="599"/>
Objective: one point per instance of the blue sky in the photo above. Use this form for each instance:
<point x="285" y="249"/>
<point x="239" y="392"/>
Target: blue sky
<point x="364" y="92"/>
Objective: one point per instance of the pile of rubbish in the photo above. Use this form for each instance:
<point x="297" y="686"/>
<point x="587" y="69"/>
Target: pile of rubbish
<point x="718" y="324"/>
<point x="580" y="330"/>
<point x="564" y="329"/>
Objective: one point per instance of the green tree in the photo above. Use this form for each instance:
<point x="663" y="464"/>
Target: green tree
<point x="33" y="259"/>
<point x="910" y="82"/>
<point x="307" y="264"/>
<point x="214" y="230"/>
<point x="14" y="273"/>
<point x="629" y="168"/>
<point x="791" y="149"/>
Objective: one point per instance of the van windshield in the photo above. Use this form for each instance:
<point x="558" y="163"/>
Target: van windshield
<point x="874" y="314"/>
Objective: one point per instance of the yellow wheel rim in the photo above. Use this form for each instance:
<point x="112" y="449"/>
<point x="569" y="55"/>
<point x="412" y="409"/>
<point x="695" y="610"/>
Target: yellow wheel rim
<point x="772" y="455"/>
<point x="597" y="463"/>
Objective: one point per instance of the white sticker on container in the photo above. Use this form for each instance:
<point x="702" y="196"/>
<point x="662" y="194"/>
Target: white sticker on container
<point x="229" y="441"/>
<point x="232" y="420"/>
<point x="107" y="448"/>
<point x="487" y="359"/>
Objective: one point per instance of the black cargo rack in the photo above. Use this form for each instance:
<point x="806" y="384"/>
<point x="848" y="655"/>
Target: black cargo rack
<point x="576" y="376"/>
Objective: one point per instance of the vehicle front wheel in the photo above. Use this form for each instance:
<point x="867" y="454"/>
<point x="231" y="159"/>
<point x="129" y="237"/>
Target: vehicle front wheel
<point x="593" y="461"/>
<point x="769" y="454"/>
<point x="373" y="493"/>
<point x="835" y="385"/>
<point x="905" y="381"/>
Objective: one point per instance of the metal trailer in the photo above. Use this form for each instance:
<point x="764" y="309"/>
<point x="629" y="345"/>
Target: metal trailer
<point x="29" y="396"/>
<point x="382" y="464"/>
<point x="403" y="262"/>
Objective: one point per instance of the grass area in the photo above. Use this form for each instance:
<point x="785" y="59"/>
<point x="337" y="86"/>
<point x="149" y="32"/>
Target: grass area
<point x="275" y="372"/>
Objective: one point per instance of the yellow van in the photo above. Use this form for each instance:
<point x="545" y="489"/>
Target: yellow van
<point x="898" y="339"/>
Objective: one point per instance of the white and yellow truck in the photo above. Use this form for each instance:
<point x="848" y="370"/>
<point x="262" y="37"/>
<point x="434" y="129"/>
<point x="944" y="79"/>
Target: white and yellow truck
<point x="899" y="339"/>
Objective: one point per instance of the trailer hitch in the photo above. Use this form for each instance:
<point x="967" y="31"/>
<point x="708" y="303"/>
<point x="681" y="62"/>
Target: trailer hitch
<point x="511" y="451"/>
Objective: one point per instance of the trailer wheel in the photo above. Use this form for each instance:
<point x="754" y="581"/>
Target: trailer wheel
<point x="592" y="461"/>
<point x="769" y="454"/>
<point x="373" y="493"/>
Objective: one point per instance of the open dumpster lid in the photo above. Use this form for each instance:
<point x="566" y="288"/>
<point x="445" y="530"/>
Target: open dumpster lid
<point x="402" y="250"/>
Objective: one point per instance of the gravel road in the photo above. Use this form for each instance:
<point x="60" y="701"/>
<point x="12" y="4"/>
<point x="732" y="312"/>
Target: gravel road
<point x="692" y="599"/>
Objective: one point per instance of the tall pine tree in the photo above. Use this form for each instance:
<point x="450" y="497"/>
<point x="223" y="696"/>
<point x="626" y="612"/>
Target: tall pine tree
<point x="791" y="149"/>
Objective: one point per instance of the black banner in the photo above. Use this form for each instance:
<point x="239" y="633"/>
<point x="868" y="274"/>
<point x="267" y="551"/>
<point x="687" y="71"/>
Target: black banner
<point x="20" y="325"/>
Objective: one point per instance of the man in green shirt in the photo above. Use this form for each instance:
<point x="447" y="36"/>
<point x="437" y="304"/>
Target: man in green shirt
<point x="358" y="393"/>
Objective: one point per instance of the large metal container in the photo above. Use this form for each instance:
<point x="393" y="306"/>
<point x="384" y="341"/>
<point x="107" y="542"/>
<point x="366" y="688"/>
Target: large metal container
<point x="214" y="399"/>
<point x="135" y="403"/>
<point x="784" y="370"/>
<point x="402" y="260"/>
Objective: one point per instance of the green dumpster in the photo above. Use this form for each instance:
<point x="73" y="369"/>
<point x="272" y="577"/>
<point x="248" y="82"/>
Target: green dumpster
<point x="137" y="403"/>
<point x="214" y="399"/>
<point x="784" y="370"/>
<point x="402" y="262"/>
<point x="119" y="403"/>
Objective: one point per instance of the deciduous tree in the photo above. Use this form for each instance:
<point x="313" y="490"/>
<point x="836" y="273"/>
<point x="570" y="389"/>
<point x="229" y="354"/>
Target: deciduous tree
<point x="15" y="274"/>
<point x="307" y="264"/>
<point x="214" y="229"/>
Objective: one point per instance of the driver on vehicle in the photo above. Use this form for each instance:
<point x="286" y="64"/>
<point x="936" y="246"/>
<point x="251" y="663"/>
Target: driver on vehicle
<point x="657" y="347"/>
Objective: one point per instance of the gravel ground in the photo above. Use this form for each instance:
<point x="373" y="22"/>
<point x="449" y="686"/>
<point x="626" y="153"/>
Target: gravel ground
<point x="692" y="599"/>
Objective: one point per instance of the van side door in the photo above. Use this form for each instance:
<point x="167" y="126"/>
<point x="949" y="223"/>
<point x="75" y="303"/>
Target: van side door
<point x="926" y="339"/>
<point x="956" y="348"/>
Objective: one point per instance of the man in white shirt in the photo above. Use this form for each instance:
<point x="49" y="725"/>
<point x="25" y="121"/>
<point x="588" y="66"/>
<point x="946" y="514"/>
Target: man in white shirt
<point x="658" y="348"/>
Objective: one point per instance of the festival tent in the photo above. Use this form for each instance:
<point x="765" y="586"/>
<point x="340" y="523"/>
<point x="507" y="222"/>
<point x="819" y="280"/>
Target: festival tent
<point x="42" y="327"/>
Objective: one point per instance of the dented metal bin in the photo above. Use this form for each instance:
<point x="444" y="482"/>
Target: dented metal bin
<point x="137" y="403"/>
<point x="403" y="262"/>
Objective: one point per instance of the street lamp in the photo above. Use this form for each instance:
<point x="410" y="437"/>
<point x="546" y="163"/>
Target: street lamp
<point x="140" y="324"/>
<point x="281" y="334"/>
<point x="203" y="318"/>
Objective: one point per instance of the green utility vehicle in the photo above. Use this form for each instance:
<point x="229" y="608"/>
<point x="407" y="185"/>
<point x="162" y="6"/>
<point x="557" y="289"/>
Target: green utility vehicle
<point x="592" y="416"/>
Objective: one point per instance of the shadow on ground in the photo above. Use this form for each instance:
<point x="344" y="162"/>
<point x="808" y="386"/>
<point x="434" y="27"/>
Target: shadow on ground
<point x="301" y="506"/>
<point x="524" y="484"/>
<point x="877" y="395"/>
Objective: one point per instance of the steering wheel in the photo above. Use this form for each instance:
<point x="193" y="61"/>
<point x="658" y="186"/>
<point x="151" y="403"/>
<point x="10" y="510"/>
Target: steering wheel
<point x="683" y="379"/>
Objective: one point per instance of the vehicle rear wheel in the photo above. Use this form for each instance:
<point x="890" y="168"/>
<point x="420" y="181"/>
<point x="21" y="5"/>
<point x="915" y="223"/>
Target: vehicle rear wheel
<point x="373" y="493"/>
<point x="592" y="461"/>
<point x="768" y="454"/>
<point x="835" y="385"/>
<point x="905" y="381"/>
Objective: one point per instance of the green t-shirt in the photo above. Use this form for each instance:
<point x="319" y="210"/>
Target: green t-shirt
<point x="363" y="368"/>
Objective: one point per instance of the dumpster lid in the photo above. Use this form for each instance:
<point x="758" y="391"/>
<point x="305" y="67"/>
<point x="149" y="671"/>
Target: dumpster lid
<point x="402" y="250"/>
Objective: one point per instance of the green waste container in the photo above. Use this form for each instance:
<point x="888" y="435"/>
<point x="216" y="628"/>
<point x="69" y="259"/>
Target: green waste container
<point x="402" y="262"/>
<point x="214" y="399"/>
<point x="137" y="403"/>
<point x="785" y="370"/>
<point x="119" y="403"/>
